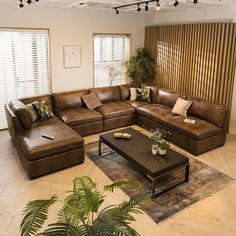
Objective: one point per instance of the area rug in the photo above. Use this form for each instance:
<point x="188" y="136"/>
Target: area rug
<point x="203" y="182"/>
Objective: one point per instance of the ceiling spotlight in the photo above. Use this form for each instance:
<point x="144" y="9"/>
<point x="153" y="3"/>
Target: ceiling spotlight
<point x="146" y="7"/>
<point x="158" y="7"/>
<point x="28" y="2"/>
<point x="117" y="11"/>
<point x="176" y="3"/>
<point x="21" y="4"/>
<point x="139" y="8"/>
<point x="195" y="1"/>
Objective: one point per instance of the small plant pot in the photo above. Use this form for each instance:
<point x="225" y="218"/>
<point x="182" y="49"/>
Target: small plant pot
<point x="154" y="149"/>
<point x="162" y="152"/>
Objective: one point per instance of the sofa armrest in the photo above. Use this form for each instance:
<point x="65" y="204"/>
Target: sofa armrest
<point x="227" y="121"/>
<point x="13" y="122"/>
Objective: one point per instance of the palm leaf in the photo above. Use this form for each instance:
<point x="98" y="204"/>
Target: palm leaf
<point x="35" y="215"/>
<point x="119" y="184"/>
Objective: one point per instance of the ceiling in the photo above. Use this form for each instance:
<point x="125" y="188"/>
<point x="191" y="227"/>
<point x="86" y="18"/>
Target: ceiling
<point x="107" y="5"/>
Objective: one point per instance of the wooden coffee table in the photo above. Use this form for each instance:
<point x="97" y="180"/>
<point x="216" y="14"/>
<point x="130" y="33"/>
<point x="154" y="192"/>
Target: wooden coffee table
<point x="138" y="151"/>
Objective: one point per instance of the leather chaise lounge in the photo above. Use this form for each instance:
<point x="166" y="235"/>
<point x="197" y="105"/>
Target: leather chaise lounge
<point x="72" y="120"/>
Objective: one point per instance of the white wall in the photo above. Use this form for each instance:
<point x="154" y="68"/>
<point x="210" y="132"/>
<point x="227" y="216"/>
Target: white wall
<point x="73" y="27"/>
<point x="210" y="14"/>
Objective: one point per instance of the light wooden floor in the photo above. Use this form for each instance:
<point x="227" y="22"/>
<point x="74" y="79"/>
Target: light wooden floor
<point x="216" y="215"/>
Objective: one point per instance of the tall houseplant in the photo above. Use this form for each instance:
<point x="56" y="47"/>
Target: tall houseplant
<point x="141" y="67"/>
<point x="80" y="214"/>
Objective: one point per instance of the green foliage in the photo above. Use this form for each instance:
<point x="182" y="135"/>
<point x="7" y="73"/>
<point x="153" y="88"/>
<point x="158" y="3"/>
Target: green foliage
<point x="141" y="67"/>
<point x="163" y="144"/>
<point x="80" y="216"/>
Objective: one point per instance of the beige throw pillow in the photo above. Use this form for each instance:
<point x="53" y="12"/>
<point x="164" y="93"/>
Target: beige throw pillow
<point x="92" y="101"/>
<point x="133" y="94"/>
<point x="181" y="107"/>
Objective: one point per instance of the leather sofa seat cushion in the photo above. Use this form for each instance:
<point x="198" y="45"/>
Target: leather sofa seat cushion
<point x="155" y="112"/>
<point x="210" y="111"/>
<point x="79" y="116"/>
<point x="137" y="104"/>
<point x="168" y="97"/>
<point x="201" y="129"/>
<point x="153" y="92"/>
<point x="115" y="109"/>
<point x="68" y="100"/>
<point x="36" y="147"/>
<point x="125" y="90"/>
<point x="50" y="121"/>
<point x="107" y="94"/>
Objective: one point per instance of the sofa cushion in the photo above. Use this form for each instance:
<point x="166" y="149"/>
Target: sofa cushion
<point x="136" y="104"/>
<point x="210" y="111"/>
<point x="201" y="129"/>
<point x="125" y="92"/>
<point x="115" y="109"/>
<point x="50" y="121"/>
<point x="91" y="100"/>
<point x="35" y="147"/>
<point x="168" y="97"/>
<point x="43" y="110"/>
<point x="143" y="95"/>
<point x="79" y="116"/>
<point x="155" y="112"/>
<point x="153" y="91"/>
<point x="22" y="112"/>
<point x="107" y="94"/>
<point x="68" y="100"/>
<point x="181" y="107"/>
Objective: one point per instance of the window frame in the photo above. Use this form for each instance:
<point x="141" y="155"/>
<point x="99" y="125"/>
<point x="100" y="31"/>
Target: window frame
<point x="109" y="34"/>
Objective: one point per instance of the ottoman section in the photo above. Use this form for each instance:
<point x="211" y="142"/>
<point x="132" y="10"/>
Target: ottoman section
<point x="41" y="155"/>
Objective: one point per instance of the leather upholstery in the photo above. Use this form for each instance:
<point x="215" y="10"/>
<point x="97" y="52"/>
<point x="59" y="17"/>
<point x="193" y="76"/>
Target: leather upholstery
<point x="137" y="104"/>
<point x="153" y="92"/>
<point x="50" y="121"/>
<point x="89" y="128"/>
<point x="200" y="130"/>
<point x="107" y="94"/>
<point x="35" y="147"/>
<point x="155" y="112"/>
<point x="68" y="100"/>
<point x="212" y="112"/>
<point x="79" y="116"/>
<point x="125" y="92"/>
<point x="115" y="109"/>
<point x="168" y="97"/>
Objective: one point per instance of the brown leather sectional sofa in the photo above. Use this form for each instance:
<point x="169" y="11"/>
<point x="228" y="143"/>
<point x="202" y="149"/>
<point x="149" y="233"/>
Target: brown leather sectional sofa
<point x="72" y="120"/>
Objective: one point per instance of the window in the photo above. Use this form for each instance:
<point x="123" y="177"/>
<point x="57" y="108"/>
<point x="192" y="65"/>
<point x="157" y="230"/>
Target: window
<point x="110" y="54"/>
<point x="24" y="65"/>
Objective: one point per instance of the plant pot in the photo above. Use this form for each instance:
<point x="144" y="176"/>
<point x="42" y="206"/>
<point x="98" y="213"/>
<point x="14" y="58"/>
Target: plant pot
<point x="162" y="152"/>
<point x="154" y="149"/>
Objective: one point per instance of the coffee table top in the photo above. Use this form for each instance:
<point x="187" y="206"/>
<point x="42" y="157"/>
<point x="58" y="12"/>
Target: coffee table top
<point x="138" y="150"/>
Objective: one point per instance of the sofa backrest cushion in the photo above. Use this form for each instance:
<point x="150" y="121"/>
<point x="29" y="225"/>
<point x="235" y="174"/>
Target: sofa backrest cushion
<point x="68" y="100"/>
<point x="107" y="94"/>
<point x="41" y="98"/>
<point x="125" y="90"/>
<point x="22" y="112"/>
<point x="168" y="97"/>
<point x="209" y="111"/>
<point x="153" y="91"/>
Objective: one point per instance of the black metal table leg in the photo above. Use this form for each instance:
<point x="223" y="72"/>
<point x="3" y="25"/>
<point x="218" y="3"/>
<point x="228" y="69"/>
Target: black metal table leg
<point x="99" y="147"/>
<point x="153" y="189"/>
<point x="187" y="173"/>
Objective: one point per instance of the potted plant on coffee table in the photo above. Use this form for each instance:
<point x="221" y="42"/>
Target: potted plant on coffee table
<point x="155" y="136"/>
<point x="163" y="146"/>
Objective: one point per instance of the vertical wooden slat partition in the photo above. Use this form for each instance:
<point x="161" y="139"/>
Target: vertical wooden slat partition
<point x="197" y="59"/>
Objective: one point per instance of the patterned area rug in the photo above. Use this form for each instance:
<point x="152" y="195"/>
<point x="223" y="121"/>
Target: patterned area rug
<point x="203" y="182"/>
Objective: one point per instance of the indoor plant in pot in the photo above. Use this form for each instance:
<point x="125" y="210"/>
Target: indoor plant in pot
<point x="80" y="214"/>
<point x="155" y="136"/>
<point x="163" y="146"/>
<point x="141" y="67"/>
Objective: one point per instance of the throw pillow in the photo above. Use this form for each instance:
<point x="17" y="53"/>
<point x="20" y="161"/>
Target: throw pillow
<point x="33" y="113"/>
<point x="133" y="94"/>
<point x="143" y="95"/>
<point x="181" y="107"/>
<point x="21" y="111"/>
<point x="92" y="101"/>
<point x="43" y="110"/>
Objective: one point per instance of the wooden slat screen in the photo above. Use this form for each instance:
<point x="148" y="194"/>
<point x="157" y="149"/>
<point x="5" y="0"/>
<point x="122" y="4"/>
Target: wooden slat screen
<point x="197" y="59"/>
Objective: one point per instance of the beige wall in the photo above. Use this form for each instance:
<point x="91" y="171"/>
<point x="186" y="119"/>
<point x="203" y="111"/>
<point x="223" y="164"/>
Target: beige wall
<point x="73" y="27"/>
<point x="210" y="14"/>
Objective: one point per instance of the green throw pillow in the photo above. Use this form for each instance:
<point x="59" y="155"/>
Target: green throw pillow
<point x="43" y="110"/>
<point x="143" y="95"/>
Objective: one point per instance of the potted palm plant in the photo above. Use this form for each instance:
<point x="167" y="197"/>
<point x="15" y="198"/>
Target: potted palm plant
<point x="80" y="214"/>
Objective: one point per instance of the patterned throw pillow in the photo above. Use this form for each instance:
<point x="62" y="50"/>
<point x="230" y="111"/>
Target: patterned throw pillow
<point x="143" y="95"/>
<point x="43" y="110"/>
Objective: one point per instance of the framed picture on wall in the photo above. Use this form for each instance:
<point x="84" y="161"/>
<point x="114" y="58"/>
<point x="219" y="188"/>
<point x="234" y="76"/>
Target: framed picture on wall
<point x="72" y="56"/>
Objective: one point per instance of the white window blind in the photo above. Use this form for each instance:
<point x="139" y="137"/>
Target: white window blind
<point x="110" y="54"/>
<point x="24" y="66"/>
